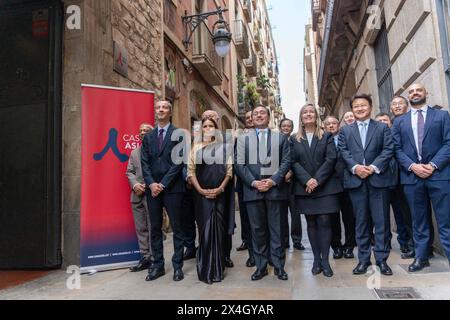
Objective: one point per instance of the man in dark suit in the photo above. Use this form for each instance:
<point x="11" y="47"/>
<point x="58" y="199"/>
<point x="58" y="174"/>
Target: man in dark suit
<point x="367" y="149"/>
<point x="165" y="188"/>
<point x="348" y="218"/>
<point x="262" y="162"/>
<point x="246" y="235"/>
<point x="139" y="203"/>
<point x="422" y="139"/>
<point x="287" y="127"/>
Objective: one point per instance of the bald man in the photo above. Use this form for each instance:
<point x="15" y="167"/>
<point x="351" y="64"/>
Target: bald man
<point x="422" y="139"/>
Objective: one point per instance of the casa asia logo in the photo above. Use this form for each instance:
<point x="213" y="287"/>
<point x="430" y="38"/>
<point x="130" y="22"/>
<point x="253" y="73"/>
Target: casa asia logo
<point x="129" y="142"/>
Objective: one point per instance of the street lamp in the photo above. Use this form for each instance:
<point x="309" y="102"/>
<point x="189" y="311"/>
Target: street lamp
<point x="221" y="35"/>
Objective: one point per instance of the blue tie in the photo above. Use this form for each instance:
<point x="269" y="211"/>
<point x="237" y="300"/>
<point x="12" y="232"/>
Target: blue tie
<point x="363" y="133"/>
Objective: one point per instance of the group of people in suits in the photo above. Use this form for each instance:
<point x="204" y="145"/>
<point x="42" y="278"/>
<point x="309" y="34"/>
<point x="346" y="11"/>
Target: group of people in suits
<point x="319" y="172"/>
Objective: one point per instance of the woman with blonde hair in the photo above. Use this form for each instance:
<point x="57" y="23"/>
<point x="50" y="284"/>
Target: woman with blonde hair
<point x="316" y="186"/>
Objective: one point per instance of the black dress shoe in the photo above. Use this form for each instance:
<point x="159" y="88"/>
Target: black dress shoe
<point x="155" y="273"/>
<point x="178" y="275"/>
<point x="299" y="246"/>
<point x="259" y="274"/>
<point x="250" y="263"/>
<point x="281" y="274"/>
<point x="404" y="249"/>
<point x="348" y="253"/>
<point x="327" y="271"/>
<point x="316" y="269"/>
<point x="418" y="265"/>
<point x="143" y="264"/>
<point x="361" y="268"/>
<point x="409" y="255"/>
<point x="338" y="254"/>
<point x="189" y="254"/>
<point x="384" y="268"/>
<point x="229" y="263"/>
<point x="243" y="246"/>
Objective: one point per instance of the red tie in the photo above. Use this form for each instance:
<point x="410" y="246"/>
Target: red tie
<point x="160" y="139"/>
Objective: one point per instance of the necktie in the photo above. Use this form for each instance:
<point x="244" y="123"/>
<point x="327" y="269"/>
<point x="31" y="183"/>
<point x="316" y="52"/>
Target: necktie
<point x="160" y="139"/>
<point x="420" y="129"/>
<point x="263" y="140"/>
<point x="363" y="132"/>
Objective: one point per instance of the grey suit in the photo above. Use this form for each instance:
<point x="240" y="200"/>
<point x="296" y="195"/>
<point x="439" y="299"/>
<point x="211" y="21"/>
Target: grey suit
<point x="139" y="203"/>
<point x="264" y="209"/>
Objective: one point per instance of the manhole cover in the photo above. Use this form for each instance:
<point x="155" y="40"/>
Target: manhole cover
<point x="397" y="293"/>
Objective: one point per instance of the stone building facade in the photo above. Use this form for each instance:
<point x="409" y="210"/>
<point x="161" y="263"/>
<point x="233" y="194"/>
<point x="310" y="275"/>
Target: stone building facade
<point x="377" y="47"/>
<point x="52" y="47"/>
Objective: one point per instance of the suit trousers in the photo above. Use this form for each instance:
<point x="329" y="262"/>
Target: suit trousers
<point x="188" y="225"/>
<point x="265" y="225"/>
<point x="173" y="204"/>
<point x="142" y="226"/>
<point x="348" y="218"/>
<point x="369" y="202"/>
<point x="402" y="216"/>
<point x="296" y="223"/>
<point x="419" y="196"/>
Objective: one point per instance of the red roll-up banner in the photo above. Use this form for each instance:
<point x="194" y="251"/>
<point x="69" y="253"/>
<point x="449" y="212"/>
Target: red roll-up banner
<point x="110" y="121"/>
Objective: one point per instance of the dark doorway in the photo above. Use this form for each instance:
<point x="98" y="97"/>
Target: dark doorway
<point x="384" y="73"/>
<point x="30" y="134"/>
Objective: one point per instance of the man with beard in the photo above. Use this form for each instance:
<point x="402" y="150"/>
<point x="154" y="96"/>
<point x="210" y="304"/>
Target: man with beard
<point x="422" y="139"/>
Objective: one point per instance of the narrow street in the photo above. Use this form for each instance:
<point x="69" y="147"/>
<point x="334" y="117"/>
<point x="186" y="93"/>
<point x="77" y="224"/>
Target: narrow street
<point x="431" y="284"/>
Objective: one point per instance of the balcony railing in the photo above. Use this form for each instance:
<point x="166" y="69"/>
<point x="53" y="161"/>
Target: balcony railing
<point x="251" y="64"/>
<point x="241" y="39"/>
<point x="257" y="38"/>
<point x="208" y="63"/>
<point x="247" y="7"/>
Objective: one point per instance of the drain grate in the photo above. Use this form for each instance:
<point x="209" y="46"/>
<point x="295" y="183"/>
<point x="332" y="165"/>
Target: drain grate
<point x="397" y="293"/>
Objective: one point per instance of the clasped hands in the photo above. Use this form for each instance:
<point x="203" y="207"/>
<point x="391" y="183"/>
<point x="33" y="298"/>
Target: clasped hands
<point x="263" y="185"/>
<point x="423" y="171"/>
<point x="311" y="185"/>
<point x="139" y="189"/>
<point x="211" y="193"/>
<point x="156" y="189"/>
<point x="364" y="171"/>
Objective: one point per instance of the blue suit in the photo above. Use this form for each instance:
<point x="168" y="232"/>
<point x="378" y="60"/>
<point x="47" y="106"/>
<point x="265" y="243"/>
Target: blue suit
<point x="419" y="192"/>
<point x="158" y="167"/>
<point x="370" y="197"/>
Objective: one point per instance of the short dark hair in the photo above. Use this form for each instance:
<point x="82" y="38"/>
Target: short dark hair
<point x="361" y="96"/>
<point x="286" y="119"/>
<point x="383" y="114"/>
<point x="262" y="106"/>
<point x="401" y="97"/>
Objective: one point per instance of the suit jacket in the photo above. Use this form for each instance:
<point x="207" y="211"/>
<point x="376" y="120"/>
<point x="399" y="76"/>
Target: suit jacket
<point x="436" y="145"/>
<point x="318" y="162"/>
<point x="134" y="174"/>
<point x="250" y="172"/>
<point x="379" y="151"/>
<point x="157" y="165"/>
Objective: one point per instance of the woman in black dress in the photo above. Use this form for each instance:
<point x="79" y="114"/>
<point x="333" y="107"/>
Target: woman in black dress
<point x="316" y="186"/>
<point x="210" y="171"/>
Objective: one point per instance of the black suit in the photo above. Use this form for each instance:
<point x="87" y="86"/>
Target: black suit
<point x="158" y="167"/>
<point x="264" y="209"/>
<point x="348" y="217"/>
<point x="370" y="197"/>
